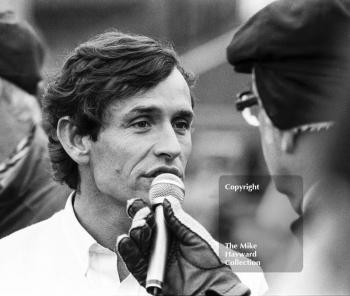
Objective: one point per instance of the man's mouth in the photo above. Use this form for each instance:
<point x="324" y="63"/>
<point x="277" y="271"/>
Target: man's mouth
<point x="164" y="170"/>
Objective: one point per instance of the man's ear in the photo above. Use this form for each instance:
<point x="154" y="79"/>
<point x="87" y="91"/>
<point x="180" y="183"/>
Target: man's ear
<point x="76" y="146"/>
<point x="288" y="141"/>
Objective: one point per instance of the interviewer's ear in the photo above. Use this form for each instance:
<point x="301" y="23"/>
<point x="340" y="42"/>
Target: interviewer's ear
<point x="76" y="145"/>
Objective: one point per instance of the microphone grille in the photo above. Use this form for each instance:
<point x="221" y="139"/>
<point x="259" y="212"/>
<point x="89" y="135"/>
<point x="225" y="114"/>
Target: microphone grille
<point x="165" y="185"/>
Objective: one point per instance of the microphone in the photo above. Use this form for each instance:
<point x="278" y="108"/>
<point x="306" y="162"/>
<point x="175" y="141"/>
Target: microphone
<point x="162" y="186"/>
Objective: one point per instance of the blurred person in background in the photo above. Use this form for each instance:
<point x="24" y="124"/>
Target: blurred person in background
<point x="27" y="192"/>
<point x="298" y="55"/>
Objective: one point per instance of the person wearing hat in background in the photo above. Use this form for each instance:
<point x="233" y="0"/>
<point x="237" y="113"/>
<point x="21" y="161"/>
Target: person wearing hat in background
<point x="298" y="55"/>
<point x="27" y="192"/>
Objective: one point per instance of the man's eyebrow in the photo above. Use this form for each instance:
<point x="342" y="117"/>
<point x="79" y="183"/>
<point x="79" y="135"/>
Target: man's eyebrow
<point x="155" y="110"/>
<point x="141" y="110"/>
<point x="185" y="114"/>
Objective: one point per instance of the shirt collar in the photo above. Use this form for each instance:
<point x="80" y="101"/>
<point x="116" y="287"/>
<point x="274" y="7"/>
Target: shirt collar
<point x="309" y="196"/>
<point x="79" y="239"/>
<point x="307" y="202"/>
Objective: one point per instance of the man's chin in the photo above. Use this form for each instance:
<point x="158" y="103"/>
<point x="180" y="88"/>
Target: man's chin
<point x="142" y="189"/>
<point x="142" y="192"/>
<point x="294" y="196"/>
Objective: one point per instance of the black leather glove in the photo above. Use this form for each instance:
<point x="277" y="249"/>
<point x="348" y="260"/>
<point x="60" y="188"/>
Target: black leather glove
<point x="193" y="263"/>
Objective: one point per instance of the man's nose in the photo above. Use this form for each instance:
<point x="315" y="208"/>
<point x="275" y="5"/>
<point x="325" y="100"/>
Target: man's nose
<point x="168" y="145"/>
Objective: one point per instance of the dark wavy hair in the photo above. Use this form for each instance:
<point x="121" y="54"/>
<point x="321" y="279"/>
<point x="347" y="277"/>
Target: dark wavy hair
<point x="109" y="67"/>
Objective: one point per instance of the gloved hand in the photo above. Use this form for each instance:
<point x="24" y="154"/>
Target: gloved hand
<point x="193" y="264"/>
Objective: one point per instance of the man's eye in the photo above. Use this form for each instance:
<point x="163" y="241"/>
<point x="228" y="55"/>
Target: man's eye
<point x="141" y="124"/>
<point x="181" y="125"/>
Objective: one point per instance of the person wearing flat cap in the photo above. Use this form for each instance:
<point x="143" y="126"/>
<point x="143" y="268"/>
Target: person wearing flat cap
<point x="27" y="192"/>
<point x="298" y="55"/>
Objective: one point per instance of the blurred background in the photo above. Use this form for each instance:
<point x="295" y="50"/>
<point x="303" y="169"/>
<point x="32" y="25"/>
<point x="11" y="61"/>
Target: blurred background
<point x="223" y="144"/>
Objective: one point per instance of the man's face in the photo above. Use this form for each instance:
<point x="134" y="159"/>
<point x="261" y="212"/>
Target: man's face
<point x="270" y="138"/>
<point x="278" y="157"/>
<point x="146" y="135"/>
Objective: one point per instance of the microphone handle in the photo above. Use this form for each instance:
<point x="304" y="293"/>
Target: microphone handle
<point x="159" y="252"/>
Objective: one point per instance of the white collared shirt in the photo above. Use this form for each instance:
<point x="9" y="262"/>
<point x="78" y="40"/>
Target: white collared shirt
<point x="59" y="257"/>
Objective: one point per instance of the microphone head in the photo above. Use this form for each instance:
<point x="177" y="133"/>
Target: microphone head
<point x="164" y="185"/>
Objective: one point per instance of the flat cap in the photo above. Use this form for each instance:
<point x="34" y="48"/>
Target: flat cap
<point x="21" y="53"/>
<point x="299" y="50"/>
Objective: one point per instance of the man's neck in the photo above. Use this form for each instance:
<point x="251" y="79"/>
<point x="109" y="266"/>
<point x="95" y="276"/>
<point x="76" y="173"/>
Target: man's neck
<point x="101" y="216"/>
